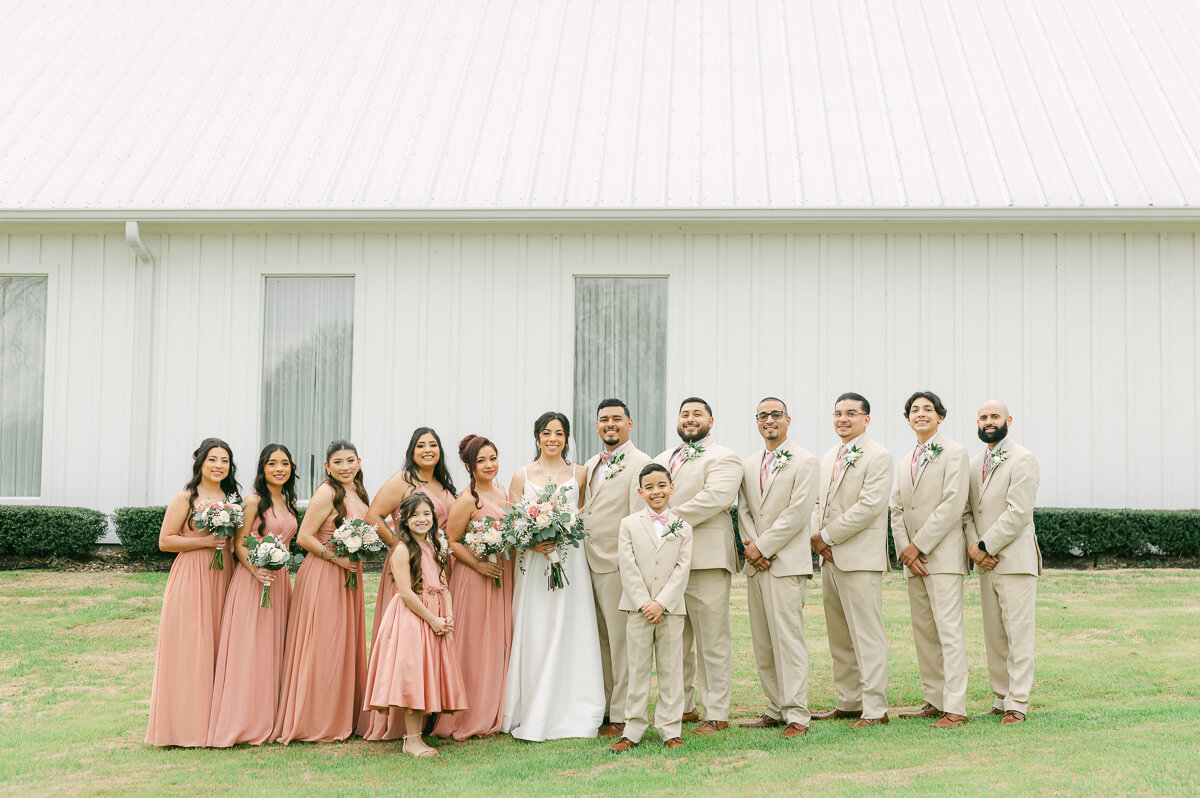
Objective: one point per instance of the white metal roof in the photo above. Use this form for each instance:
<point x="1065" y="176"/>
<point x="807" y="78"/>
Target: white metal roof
<point x="600" y="105"/>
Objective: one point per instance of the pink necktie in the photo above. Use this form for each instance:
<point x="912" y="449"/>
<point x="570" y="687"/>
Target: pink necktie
<point x="677" y="458"/>
<point x="916" y="461"/>
<point x="605" y="456"/>
<point x="987" y="465"/>
<point x="837" y="466"/>
<point x="768" y="458"/>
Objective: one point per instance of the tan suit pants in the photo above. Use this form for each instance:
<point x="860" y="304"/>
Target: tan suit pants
<point x="1008" y="602"/>
<point x="936" y="605"/>
<point x="857" y="638"/>
<point x="708" y="643"/>
<point x="776" y="605"/>
<point x="663" y="642"/>
<point x="606" y="590"/>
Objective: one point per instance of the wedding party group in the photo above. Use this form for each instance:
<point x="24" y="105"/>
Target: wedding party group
<point x="544" y="610"/>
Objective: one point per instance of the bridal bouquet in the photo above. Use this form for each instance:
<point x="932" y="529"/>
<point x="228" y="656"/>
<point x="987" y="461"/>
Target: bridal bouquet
<point x="359" y="541"/>
<point x="221" y="519"/>
<point x="485" y="538"/>
<point x="549" y="517"/>
<point x="267" y="553"/>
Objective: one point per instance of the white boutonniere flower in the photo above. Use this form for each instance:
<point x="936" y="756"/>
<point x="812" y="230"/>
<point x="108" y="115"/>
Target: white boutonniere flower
<point x="692" y="452"/>
<point x="781" y="460"/>
<point x="672" y="531"/>
<point x="998" y="457"/>
<point x="852" y="456"/>
<point x="932" y="453"/>
<point x="615" y="466"/>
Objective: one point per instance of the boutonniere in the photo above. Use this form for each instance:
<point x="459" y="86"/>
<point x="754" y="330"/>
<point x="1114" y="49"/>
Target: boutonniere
<point x="672" y="531"/>
<point x="781" y="459"/>
<point x="932" y="453"/>
<point x="852" y="456"/>
<point x="615" y="466"/>
<point x="692" y="452"/>
<point x="998" y="457"/>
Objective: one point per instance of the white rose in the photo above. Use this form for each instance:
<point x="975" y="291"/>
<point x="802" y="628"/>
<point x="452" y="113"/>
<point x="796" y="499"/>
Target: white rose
<point x="354" y="544"/>
<point x="342" y="533"/>
<point x="370" y="538"/>
<point x="279" y="556"/>
<point x="222" y="518"/>
<point x="544" y="520"/>
<point x="492" y="537"/>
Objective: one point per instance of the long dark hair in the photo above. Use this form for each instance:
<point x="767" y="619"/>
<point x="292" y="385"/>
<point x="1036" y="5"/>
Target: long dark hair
<point x="542" y="422"/>
<point x="441" y="552"/>
<point x="440" y="472"/>
<point x="229" y="485"/>
<point x="288" y="489"/>
<point x="468" y="449"/>
<point x="339" y="492"/>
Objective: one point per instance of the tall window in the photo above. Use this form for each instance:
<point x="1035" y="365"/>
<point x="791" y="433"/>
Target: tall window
<point x="22" y="383"/>
<point x="308" y="337"/>
<point x="621" y="352"/>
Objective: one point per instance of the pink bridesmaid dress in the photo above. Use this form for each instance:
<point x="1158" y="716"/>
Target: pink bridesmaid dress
<point x="390" y="725"/>
<point x="411" y="666"/>
<point x="483" y="627"/>
<point x="188" y="633"/>
<point x="250" y="653"/>
<point x="325" y="656"/>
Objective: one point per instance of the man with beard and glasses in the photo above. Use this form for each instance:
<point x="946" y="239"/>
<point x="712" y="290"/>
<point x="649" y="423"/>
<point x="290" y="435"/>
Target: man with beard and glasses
<point x="612" y="494"/>
<point x="775" y="507"/>
<point x="1004" y="548"/>
<point x="706" y="477"/>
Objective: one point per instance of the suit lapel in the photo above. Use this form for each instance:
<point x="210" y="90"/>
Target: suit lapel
<point x="991" y="472"/>
<point x="772" y="474"/>
<point x="593" y="464"/>
<point x="921" y="468"/>
<point x="837" y="483"/>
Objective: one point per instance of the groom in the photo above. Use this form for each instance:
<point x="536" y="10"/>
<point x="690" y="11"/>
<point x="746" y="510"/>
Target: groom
<point x="612" y="494"/>
<point x="706" y="477"/>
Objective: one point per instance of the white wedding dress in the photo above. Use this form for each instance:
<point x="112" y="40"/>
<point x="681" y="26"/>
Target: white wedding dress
<point x="555" y="685"/>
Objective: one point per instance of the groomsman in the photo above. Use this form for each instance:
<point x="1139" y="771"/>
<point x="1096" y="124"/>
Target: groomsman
<point x="850" y="523"/>
<point x="612" y="494"/>
<point x="927" y="525"/>
<point x="1004" y="547"/>
<point x="775" y="507"/>
<point x="706" y="478"/>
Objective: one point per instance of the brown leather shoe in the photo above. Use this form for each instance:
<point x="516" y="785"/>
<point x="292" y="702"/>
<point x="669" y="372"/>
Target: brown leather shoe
<point x="927" y="711"/>
<point x="763" y="721"/>
<point x="612" y="730"/>
<point x="1012" y="718"/>
<point x="712" y="726"/>
<point x="691" y="717"/>
<point x="993" y="711"/>
<point x="673" y="743"/>
<point x="622" y="745"/>
<point x="949" y="721"/>
<point x="794" y="730"/>
<point x="865" y="722"/>
<point x="836" y="713"/>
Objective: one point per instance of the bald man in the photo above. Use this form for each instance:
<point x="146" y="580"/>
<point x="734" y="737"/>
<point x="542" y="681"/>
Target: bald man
<point x="1003" y="548"/>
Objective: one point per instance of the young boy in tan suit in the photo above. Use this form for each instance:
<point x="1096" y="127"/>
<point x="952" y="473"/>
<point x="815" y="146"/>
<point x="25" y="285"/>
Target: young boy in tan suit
<point x="654" y="549"/>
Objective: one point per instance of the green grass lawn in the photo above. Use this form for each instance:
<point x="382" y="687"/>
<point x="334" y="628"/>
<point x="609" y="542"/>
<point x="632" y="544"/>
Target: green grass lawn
<point x="1116" y="710"/>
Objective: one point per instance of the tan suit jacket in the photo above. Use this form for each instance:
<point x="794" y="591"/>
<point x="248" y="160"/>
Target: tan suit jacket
<point x="705" y="489"/>
<point x="613" y="499"/>
<point x="853" y="509"/>
<point x="1000" y="511"/>
<point x="929" y="514"/>
<point x="777" y="518"/>
<point x="653" y="570"/>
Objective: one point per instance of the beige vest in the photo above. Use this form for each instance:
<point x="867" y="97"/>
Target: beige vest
<point x="777" y="517"/>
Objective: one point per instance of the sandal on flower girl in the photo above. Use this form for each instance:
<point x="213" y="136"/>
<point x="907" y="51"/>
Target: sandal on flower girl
<point x="425" y="750"/>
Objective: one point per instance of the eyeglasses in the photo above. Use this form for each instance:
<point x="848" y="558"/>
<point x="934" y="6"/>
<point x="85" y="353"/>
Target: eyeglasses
<point x="774" y="415"/>
<point x="847" y="414"/>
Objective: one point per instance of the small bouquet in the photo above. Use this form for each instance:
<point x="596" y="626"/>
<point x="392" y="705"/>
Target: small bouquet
<point x="267" y="553"/>
<point x="221" y="519"/>
<point x="485" y="538"/>
<point x="547" y="517"/>
<point x="359" y="541"/>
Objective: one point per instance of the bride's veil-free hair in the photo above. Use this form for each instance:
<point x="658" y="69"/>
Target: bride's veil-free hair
<point x="542" y="422"/>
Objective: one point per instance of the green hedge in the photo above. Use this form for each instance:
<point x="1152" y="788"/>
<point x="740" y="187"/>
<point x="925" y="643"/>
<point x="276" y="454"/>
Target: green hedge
<point x="138" y="528"/>
<point x="1075" y="533"/>
<point x="39" y="531"/>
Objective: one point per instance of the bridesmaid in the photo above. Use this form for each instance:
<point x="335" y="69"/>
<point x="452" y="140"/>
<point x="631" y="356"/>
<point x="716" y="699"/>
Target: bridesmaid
<point x="414" y="668"/>
<point x="251" y="644"/>
<point x="483" y="626"/>
<point x="424" y="471"/>
<point x="188" y="630"/>
<point x="325" y="656"/>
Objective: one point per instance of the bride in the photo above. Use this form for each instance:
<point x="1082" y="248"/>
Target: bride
<point x="555" y="686"/>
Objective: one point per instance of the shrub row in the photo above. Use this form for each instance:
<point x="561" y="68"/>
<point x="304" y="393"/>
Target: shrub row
<point x="35" y="531"/>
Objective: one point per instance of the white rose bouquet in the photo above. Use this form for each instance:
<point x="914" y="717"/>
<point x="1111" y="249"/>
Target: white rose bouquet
<point x="268" y="553"/>
<point x="485" y="538"/>
<point x="547" y="518"/>
<point x="358" y="541"/>
<point x="221" y="519"/>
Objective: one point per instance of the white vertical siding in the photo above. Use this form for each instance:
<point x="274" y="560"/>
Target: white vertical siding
<point x="1091" y="337"/>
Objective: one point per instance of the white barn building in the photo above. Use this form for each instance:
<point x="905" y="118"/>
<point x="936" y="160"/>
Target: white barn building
<point x="300" y="221"/>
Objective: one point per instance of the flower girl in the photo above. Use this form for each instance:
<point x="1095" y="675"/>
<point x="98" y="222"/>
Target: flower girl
<point x="413" y="663"/>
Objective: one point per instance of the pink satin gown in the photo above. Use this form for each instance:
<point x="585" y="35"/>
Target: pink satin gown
<point x="250" y="652"/>
<point x="188" y="633"/>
